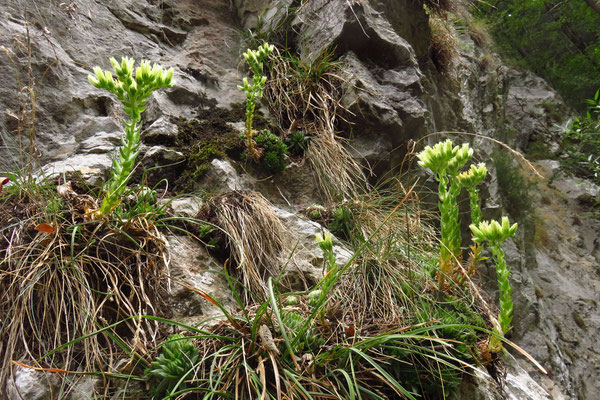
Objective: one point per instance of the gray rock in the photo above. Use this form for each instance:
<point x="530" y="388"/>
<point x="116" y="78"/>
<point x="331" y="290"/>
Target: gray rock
<point x="307" y="267"/>
<point x="383" y="78"/>
<point x="191" y="264"/>
<point x="533" y="109"/>
<point x="387" y="107"/>
<point x="186" y="206"/>
<point x="35" y="385"/>
<point x="263" y="16"/>
<point x="159" y="163"/>
<point x="222" y="177"/>
<point x="200" y="41"/>
<point x="516" y="385"/>
<point x="162" y="131"/>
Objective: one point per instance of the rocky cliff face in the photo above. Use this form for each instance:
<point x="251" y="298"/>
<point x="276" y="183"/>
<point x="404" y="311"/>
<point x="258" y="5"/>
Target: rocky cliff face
<point x="396" y="93"/>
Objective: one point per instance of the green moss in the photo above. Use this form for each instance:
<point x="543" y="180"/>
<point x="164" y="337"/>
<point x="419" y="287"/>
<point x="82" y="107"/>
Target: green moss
<point x="203" y="139"/>
<point x="205" y="152"/>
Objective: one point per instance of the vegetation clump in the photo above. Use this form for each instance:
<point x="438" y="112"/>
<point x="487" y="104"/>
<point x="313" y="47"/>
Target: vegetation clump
<point x="274" y="151"/>
<point x="581" y="141"/>
<point x="561" y="43"/>
<point x="65" y="276"/>
<point x="169" y="372"/>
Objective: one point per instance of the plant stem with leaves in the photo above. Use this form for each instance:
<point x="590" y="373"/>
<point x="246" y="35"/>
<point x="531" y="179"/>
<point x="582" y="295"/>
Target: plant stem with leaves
<point x="132" y="91"/>
<point x="254" y="90"/>
<point x="495" y="234"/>
<point x="445" y="161"/>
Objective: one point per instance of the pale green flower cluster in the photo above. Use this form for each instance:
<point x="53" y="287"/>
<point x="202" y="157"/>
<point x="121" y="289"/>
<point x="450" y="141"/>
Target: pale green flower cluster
<point x="445" y="160"/>
<point x="133" y="91"/>
<point x="470" y="179"/>
<point x="493" y="232"/>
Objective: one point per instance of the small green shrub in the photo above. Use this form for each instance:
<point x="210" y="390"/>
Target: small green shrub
<point x="513" y="186"/>
<point x="581" y="142"/>
<point x="297" y="143"/>
<point x="274" y="151"/>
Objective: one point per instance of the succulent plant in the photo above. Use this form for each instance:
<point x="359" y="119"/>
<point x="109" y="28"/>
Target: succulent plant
<point x="470" y="179"/>
<point x="445" y="160"/>
<point x="495" y="234"/>
<point x="172" y="367"/>
<point x="254" y="90"/>
<point x="132" y="91"/>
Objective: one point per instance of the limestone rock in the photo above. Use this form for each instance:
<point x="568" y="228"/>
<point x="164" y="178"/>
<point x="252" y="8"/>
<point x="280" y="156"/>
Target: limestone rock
<point x="191" y="264"/>
<point x="35" y="385"/>
<point x="307" y="265"/>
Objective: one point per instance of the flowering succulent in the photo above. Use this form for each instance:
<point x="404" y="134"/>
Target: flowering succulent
<point x="462" y="156"/>
<point x="470" y="179"/>
<point x="254" y="90"/>
<point x="444" y="160"/>
<point x="436" y="158"/>
<point x="495" y="233"/>
<point x="133" y="91"/>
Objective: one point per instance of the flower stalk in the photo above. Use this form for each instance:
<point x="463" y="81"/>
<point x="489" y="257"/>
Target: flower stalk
<point x="495" y="234"/>
<point x="445" y="161"/>
<point x="254" y="91"/>
<point x="133" y="91"/>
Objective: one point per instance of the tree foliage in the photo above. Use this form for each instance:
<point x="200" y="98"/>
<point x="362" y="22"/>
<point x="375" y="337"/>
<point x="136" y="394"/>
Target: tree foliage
<point x="556" y="39"/>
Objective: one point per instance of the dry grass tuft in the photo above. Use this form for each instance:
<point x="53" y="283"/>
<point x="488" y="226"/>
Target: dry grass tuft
<point x="443" y="46"/>
<point x="338" y="174"/>
<point x="259" y="242"/>
<point x="63" y="277"/>
<point x="479" y="33"/>
<point x="306" y="96"/>
<point x="439" y="6"/>
<point x="380" y="284"/>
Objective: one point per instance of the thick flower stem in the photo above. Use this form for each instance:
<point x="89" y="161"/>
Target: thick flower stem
<point x="495" y="234"/>
<point x="505" y="291"/>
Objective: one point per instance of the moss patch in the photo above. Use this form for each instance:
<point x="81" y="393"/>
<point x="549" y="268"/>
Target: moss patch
<point x="203" y="139"/>
<point x="208" y="136"/>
